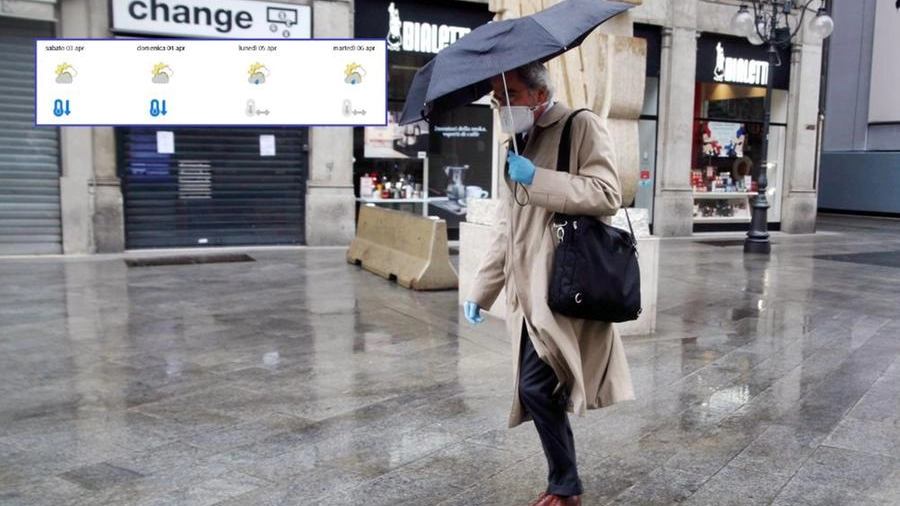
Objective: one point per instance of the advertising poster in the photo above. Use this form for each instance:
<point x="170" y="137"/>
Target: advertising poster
<point x="725" y="140"/>
<point x="395" y="141"/>
<point x="459" y="165"/>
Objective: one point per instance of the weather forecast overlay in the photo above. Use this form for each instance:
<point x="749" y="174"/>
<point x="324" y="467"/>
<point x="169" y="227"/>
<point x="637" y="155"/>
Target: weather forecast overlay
<point x="210" y="82"/>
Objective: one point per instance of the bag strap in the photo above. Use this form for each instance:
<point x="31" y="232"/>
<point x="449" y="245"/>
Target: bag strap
<point x="565" y="148"/>
<point x="565" y="143"/>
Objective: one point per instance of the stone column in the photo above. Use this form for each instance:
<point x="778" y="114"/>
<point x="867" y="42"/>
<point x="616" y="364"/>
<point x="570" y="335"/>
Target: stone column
<point x="108" y="219"/>
<point x="76" y="152"/>
<point x="619" y="97"/>
<point x="673" y="211"/>
<point x="90" y="193"/>
<point x="330" y="201"/>
<point x="798" y="215"/>
<point x="109" y="209"/>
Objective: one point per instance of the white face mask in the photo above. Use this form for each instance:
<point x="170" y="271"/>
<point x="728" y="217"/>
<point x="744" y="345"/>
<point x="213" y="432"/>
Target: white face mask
<point x="515" y="119"/>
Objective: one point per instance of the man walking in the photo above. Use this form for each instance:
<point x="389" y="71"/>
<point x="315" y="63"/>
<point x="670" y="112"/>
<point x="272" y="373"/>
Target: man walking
<point x="562" y="364"/>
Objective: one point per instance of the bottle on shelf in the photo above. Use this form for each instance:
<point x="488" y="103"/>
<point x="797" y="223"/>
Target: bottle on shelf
<point x="365" y="186"/>
<point x="385" y="187"/>
<point x="411" y="186"/>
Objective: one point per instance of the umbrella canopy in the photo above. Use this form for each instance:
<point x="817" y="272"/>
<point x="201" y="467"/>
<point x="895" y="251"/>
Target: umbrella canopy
<point x="461" y="72"/>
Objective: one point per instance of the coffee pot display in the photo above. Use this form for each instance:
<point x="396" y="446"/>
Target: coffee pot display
<point x="456" y="187"/>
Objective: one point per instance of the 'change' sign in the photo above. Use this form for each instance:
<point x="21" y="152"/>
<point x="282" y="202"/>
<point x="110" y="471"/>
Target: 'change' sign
<point x="235" y="19"/>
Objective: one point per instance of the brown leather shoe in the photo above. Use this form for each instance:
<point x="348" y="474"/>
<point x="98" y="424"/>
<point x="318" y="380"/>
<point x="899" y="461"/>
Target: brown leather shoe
<point x="540" y="499"/>
<point x="558" y="500"/>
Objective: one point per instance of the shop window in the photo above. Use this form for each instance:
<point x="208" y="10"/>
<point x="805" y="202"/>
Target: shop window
<point x="729" y="102"/>
<point x="726" y="157"/>
<point x="391" y="154"/>
<point x="647" y="132"/>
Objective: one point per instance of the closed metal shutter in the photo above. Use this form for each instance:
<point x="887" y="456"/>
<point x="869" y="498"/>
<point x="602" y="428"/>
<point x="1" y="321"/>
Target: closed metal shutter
<point x="215" y="189"/>
<point x="29" y="156"/>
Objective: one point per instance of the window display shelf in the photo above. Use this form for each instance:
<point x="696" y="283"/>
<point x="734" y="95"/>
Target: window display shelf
<point x="721" y="219"/>
<point x="723" y="195"/>
<point x="423" y="206"/>
<point x="722" y="207"/>
<point x="401" y="201"/>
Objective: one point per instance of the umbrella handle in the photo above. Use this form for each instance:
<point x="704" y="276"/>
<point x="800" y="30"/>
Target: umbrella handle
<point x="515" y="146"/>
<point x="506" y="93"/>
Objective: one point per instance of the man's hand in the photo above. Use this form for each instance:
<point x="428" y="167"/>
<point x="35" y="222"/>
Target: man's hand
<point x="472" y="312"/>
<point x="521" y="170"/>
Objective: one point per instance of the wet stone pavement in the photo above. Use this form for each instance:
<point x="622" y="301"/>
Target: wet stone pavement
<point x="299" y="379"/>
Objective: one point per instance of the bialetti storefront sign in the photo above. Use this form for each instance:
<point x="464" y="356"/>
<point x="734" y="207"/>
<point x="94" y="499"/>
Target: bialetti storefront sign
<point x="730" y="60"/>
<point x="239" y="19"/>
<point x="739" y="70"/>
<point x="418" y="27"/>
<point x="419" y="37"/>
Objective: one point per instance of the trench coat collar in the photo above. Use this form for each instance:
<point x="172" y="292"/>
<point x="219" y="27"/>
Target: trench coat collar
<point x="551" y="117"/>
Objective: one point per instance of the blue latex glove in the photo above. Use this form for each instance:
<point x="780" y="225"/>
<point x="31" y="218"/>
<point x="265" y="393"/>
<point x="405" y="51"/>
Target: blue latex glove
<point x="521" y="170"/>
<point x="472" y="312"/>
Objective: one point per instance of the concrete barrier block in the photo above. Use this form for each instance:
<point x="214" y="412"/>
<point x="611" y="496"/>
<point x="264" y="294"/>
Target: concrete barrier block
<point x="408" y="248"/>
<point x="474" y="240"/>
<point x="640" y="221"/>
<point x="648" y="260"/>
<point x="626" y="139"/>
<point x="484" y="211"/>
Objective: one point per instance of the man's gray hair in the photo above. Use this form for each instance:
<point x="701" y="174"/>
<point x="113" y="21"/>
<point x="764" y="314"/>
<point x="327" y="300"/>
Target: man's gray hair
<point x="536" y="76"/>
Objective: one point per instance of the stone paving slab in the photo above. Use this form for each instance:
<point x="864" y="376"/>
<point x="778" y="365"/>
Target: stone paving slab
<point x="300" y="379"/>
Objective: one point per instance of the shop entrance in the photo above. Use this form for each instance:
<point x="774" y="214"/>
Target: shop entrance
<point x="29" y="156"/>
<point x="729" y="101"/>
<point x="187" y="187"/>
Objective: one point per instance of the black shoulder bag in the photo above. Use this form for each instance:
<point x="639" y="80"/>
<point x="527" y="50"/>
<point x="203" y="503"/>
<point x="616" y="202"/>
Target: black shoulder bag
<point x="595" y="268"/>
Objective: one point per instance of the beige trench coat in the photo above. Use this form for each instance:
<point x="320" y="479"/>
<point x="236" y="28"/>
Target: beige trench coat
<point x="587" y="356"/>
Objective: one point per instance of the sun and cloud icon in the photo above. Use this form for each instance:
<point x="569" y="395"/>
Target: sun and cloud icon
<point x="258" y="73"/>
<point x="162" y="73"/>
<point x="65" y="73"/>
<point x="353" y="73"/>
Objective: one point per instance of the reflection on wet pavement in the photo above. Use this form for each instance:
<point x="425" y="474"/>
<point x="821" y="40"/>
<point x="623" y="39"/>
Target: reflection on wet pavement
<point x="300" y="379"/>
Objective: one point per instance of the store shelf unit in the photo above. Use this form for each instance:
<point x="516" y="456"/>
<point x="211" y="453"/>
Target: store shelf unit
<point x="722" y="207"/>
<point x="392" y="201"/>
<point x="722" y="195"/>
<point x="418" y="205"/>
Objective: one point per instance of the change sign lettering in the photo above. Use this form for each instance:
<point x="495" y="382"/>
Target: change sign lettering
<point x="238" y="19"/>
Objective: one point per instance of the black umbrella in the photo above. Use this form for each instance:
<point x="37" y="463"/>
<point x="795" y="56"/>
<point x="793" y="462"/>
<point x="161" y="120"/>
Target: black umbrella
<point x="461" y="72"/>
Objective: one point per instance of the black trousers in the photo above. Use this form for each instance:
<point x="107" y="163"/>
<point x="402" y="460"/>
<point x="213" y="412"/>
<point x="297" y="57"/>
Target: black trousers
<point x="536" y="384"/>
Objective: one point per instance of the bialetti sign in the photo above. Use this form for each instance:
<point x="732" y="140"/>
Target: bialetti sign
<point x="416" y="27"/>
<point x="731" y="60"/>
<point x="739" y="70"/>
<point x="417" y="37"/>
<point x="239" y="19"/>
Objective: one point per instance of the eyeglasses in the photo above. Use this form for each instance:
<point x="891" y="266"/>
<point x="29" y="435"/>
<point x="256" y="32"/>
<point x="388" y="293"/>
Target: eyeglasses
<point x="513" y="97"/>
